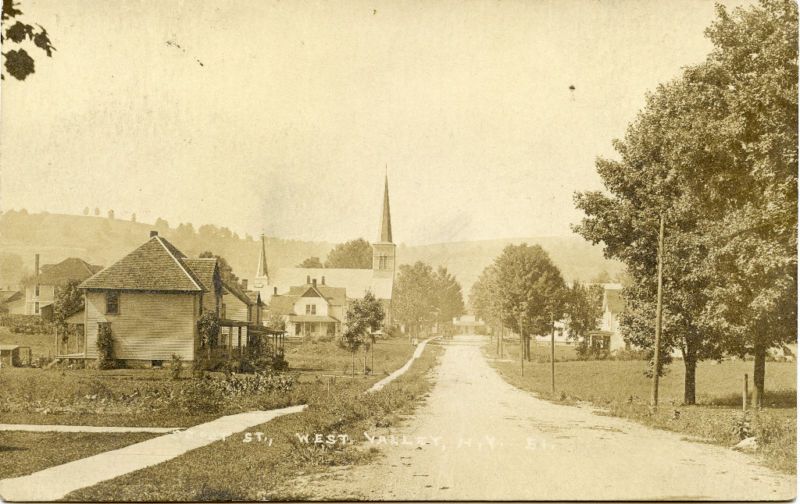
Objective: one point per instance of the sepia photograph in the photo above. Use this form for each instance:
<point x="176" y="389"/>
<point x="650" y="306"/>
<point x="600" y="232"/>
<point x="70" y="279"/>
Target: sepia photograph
<point x="398" y="250"/>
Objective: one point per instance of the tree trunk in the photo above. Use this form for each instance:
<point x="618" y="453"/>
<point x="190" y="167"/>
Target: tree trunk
<point x="528" y="348"/>
<point x="759" y="370"/>
<point x="354" y="362"/>
<point x="690" y="364"/>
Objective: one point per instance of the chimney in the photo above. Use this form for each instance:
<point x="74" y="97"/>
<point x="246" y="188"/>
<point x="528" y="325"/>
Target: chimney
<point x="314" y="282"/>
<point x="274" y="291"/>
<point x="153" y="233"/>
<point x="244" y="284"/>
<point x="308" y="279"/>
<point x="36" y="274"/>
<point x="323" y="279"/>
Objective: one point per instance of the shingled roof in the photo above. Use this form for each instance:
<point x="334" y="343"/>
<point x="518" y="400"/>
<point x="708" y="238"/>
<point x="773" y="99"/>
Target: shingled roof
<point x="67" y="270"/>
<point x="155" y="266"/>
<point x="205" y="269"/>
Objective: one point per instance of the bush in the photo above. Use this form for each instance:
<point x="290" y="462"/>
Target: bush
<point x="628" y="355"/>
<point x="105" y="347"/>
<point x="26" y="324"/>
<point x="176" y="367"/>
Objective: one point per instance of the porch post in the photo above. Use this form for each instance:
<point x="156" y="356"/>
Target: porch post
<point x="241" y="355"/>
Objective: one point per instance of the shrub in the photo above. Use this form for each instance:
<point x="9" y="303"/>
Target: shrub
<point x="105" y="347"/>
<point x="208" y="327"/>
<point x="176" y="367"/>
<point x="26" y="324"/>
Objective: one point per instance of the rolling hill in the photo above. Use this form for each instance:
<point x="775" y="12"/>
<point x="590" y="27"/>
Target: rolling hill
<point x="103" y="240"/>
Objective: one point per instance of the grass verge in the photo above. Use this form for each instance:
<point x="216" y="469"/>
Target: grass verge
<point x="24" y="453"/>
<point x="621" y="389"/>
<point x="243" y="467"/>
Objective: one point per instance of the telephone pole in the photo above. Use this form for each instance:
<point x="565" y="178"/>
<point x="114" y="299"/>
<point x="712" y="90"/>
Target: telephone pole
<point x="553" y="353"/>
<point x="659" y="307"/>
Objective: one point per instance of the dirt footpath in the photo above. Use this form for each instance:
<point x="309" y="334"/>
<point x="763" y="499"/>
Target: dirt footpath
<point x="479" y="438"/>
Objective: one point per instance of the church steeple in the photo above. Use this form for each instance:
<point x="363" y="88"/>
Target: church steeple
<point x="386" y="218"/>
<point x="384" y="251"/>
<point x="262" y="271"/>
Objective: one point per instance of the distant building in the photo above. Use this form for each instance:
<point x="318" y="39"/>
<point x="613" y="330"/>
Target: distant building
<point x="12" y="302"/>
<point x="40" y="293"/>
<point x="469" y="324"/>
<point x="355" y="282"/>
<point x="311" y="309"/>
<point x="609" y="336"/>
<point x="152" y="299"/>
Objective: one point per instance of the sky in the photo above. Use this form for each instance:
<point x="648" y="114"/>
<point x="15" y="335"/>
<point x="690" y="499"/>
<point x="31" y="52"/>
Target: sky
<point x="282" y="117"/>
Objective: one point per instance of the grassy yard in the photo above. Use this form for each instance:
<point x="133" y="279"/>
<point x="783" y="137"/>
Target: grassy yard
<point x="23" y="453"/>
<point x="620" y="388"/>
<point x="41" y="344"/>
<point x="236" y="469"/>
<point x="150" y="397"/>
<point x="141" y="397"/>
<point x="312" y="358"/>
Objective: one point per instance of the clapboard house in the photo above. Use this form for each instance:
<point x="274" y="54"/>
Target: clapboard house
<point x="152" y="299"/>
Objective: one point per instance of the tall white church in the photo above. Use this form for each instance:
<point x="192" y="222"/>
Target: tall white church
<point x="379" y="280"/>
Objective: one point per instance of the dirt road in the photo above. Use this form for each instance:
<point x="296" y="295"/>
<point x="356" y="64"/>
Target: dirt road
<point x="477" y="437"/>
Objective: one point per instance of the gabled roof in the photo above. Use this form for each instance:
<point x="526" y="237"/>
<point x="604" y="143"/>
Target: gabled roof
<point x="282" y="305"/>
<point x="155" y="266"/>
<point x="72" y="268"/>
<point x="356" y="282"/>
<point x="8" y="296"/>
<point x="334" y="295"/>
<point x="237" y="291"/>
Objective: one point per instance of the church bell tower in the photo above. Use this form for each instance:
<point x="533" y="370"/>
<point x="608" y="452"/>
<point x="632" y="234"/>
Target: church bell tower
<point x="384" y="250"/>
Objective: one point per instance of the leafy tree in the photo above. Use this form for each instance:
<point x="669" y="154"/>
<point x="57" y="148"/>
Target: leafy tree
<point x="96" y="209"/>
<point x="111" y="214"/>
<point x="449" y="301"/>
<point x="355" y="254"/>
<point x="531" y="291"/>
<point x="311" y="262"/>
<point x="363" y="317"/>
<point x="225" y="269"/>
<point x="753" y="235"/>
<point x="276" y="322"/>
<point x="133" y="217"/>
<point x="644" y="184"/>
<point x="18" y="63"/>
<point x="484" y="297"/>
<point x="715" y="151"/>
<point x="583" y="309"/>
<point x="414" y="303"/>
<point x="68" y="300"/>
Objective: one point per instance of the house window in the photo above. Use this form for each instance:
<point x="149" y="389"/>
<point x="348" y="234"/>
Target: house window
<point x="311" y="309"/>
<point x="36" y="308"/>
<point x="112" y="302"/>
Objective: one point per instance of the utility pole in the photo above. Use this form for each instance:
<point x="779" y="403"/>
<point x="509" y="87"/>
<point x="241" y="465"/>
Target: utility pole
<point x="521" y="349"/>
<point x="553" y="353"/>
<point x="657" y="343"/>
